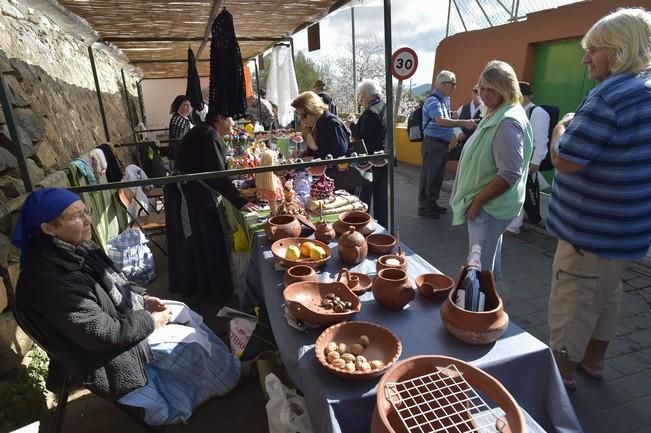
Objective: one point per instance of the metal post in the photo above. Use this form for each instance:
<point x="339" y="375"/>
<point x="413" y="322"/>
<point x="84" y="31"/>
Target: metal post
<point x="13" y="132"/>
<point x="447" y="26"/>
<point x="389" y="109"/>
<point x="141" y="102"/>
<point x="126" y="98"/>
<point x="257" y="85"/>
<point x="99" y="93"/>
<point x="352" y="25"/>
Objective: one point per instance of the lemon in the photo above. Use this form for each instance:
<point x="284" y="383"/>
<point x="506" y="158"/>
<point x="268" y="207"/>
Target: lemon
<point x="317" y="253"/>
<point x="293" y="253"/>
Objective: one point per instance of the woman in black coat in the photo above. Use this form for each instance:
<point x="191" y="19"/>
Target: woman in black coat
<point x="114" y="339"/>
<point x="371" y="127"/>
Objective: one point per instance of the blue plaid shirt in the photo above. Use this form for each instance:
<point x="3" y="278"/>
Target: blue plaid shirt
<point x="605" y="208"/>
<point x="435" y="106"/>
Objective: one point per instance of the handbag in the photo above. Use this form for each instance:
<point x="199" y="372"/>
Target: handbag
<point x="532" y="199"/>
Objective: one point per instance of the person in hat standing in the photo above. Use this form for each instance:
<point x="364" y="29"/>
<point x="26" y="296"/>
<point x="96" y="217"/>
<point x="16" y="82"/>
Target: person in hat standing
<point x="539" y="120"/>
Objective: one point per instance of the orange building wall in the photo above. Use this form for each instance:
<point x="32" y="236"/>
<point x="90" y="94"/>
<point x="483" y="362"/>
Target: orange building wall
<point x="466" y="54"/>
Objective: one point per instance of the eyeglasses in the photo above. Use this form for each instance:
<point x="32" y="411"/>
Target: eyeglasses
<point x="80" y="215"/>
<point x="475" y="91"/>
<point x="452" y="83"/>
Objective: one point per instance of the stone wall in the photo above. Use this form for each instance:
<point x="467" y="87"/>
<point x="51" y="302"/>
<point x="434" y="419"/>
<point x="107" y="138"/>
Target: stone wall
<point x="55" y="105"/>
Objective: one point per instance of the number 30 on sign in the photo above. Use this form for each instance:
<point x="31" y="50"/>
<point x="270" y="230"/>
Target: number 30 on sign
<point x="404" y="63"/>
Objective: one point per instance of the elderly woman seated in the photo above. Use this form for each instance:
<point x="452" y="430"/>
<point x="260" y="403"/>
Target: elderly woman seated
<point x="112" y="337"/>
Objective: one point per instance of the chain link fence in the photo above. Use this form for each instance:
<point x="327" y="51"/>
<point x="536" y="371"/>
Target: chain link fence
<point x="466" y="15"/>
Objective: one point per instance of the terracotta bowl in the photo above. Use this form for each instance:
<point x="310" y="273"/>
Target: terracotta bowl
<point x="381" y="243"/>
<point x="474" y="327"/>
<point x="381" y="262"/>
<point x="299" y="273"/>
<point x="355" y="218"/>
<point x="279" y="250"/>
<point x="304" y="302"/>
<point x="384" y="346"/>
<point x="387" y="420"/>
<point x="434" y="286"/>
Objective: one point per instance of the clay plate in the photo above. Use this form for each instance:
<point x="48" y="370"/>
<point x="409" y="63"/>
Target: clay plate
<point x="380" y="243"/>
<point x="384" y="345"/>
<point x="304" y="298"/>
<point x="364" y="282"/>
<point x="279" y="249"/>
<point x="434" y="286"/>
<point x="386" y="420"/>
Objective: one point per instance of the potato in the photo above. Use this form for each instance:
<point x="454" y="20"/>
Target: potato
<point x="348" y="357"/>
<point x="332" y="356"/>
<point x="363" y="340"/>
<point x="356" y="349"/>
<point x="376" y="364"/>
<point x="338" y="362"/>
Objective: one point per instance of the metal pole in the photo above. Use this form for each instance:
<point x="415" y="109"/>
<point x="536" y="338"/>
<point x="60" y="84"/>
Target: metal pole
<point x="141" y="102"/>
<point x="352" y="25"/>
<point x="99" y="93"/>
<point x="447" y="26"/>
<point x="126" y="99"/>
<point x="257" y="85"/>
<point x="517" y="10"/>
<point x="13" y="132"/>
<point x="389" y="109"/>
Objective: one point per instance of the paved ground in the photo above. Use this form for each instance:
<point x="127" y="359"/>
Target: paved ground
<point x="619" y="403"/>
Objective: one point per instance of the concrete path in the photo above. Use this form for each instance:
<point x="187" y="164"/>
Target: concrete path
<point x="621" y="402"/>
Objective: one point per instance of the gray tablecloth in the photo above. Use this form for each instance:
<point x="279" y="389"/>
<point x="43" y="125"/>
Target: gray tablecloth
<point x="523" y="364"/>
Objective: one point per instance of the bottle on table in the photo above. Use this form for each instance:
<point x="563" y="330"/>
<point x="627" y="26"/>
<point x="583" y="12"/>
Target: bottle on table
<point x="470" y="296"/>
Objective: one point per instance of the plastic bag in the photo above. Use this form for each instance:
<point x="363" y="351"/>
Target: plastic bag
<point x="286" y="412"/>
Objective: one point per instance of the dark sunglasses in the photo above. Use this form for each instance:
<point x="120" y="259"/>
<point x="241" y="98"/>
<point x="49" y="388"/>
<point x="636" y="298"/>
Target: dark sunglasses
<point x="453" y="83"/>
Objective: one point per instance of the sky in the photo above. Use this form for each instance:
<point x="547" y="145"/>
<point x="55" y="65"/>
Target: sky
<point x="417" y="24"/>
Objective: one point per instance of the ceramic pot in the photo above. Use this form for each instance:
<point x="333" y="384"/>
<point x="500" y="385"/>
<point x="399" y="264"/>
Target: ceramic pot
<point x="356" y="219"/>
<point x="436" y="401"/>
<point x="476" y="327"/>
<point x="324" y="232"/>
<point x="392" y="289"/>
<point x="299" y="273"/>
<point x="381" y="262"/>
<point x="352" y="247"/>
<point x="381" y="243"/>
<point x="282" y="226"/>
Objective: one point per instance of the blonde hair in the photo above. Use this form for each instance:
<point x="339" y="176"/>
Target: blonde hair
<point x="267" y="180"/>
<point x="500" y="76"/>
<point x="627" y="32"/>
<point x="311" y="103"/>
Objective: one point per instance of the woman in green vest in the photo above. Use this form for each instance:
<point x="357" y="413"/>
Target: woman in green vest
<point x="490" y="183"/>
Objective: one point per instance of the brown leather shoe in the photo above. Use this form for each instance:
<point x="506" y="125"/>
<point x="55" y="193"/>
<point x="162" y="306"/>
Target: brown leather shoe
<point x="567" y="368"/>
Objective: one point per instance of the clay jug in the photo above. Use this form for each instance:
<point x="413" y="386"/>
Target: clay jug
<point x="282" y="226"/>
<point x="299" y="273"/>
<point x="352" y="247"/>
<point x="324" y="232"/>
<point x="392" y="289"/>
<point x="400" y="261"/>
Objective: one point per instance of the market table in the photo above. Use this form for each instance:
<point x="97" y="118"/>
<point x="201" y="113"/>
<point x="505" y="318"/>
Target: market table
<point x="523" y="364"/>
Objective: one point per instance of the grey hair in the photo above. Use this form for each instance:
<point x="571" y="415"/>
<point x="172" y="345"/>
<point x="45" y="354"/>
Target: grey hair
<point x="369" y="87"/>
<point x="444" y="76"/>
<point x="627" y="33"/>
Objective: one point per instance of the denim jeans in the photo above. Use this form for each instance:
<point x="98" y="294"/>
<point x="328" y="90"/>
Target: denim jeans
<point x="486" y="231"/>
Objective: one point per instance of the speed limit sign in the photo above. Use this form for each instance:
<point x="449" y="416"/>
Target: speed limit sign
<point x="404" y="63"/>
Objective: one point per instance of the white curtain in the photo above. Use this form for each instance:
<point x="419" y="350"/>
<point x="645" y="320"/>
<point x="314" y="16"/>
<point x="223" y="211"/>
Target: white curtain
<point x="281" y="83"/>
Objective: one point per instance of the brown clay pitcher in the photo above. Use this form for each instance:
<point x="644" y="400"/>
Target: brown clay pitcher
<point x="282" y="226"/>
<point x="324" y="232"/>
<point x="352" y="247"/>
<point x="392" y="289"/>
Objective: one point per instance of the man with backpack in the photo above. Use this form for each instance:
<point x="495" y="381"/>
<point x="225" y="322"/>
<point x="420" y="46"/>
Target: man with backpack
<point x="438" y="139"/>
<point x="540" y="123"/>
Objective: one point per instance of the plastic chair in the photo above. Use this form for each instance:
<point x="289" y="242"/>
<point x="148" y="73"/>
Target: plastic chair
<point x="150" y="224"/>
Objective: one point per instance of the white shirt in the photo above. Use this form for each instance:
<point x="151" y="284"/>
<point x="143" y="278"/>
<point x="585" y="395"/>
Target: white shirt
<point x="540" y="124"/>
<point x="473" y="111"/>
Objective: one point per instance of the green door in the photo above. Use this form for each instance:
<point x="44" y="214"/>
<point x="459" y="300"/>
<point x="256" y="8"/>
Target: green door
<point x="560" y="78"/>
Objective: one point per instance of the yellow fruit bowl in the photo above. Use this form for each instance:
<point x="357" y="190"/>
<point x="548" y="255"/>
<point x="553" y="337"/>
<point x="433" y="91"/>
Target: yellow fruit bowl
<point x="290" y="253"/>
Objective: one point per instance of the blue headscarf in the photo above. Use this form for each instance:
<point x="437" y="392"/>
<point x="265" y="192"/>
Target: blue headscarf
<point x="40" y="207"/>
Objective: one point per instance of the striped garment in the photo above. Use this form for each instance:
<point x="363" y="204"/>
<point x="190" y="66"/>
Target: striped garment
<point x="435" y="106"/>
<point x="605" y="207"/>
<point x="190" y="366"/>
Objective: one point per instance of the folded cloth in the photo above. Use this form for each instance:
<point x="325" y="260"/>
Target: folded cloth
<point x="359" y="206"/>
<point x="339" y="199"/>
